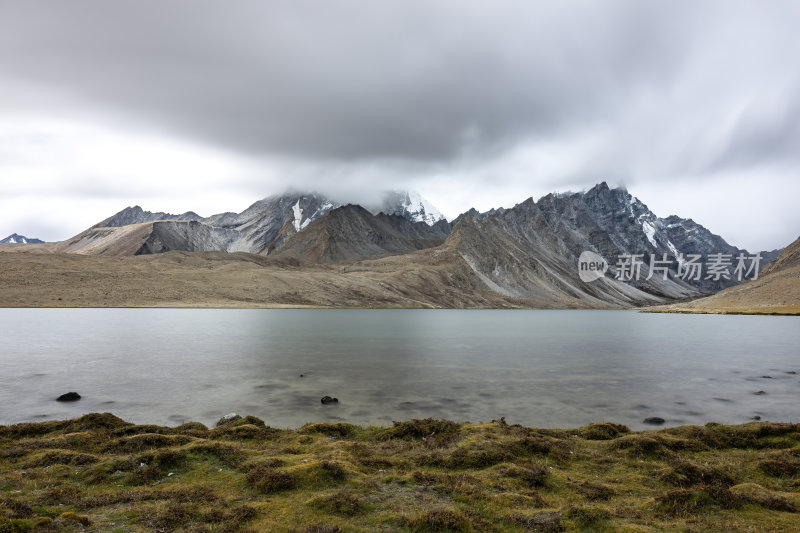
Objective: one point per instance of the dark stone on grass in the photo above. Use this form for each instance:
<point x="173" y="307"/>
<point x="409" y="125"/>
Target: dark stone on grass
<point x="329" y="399"/>
<point x="654" y="420"/>
<point x="69" y="397"/>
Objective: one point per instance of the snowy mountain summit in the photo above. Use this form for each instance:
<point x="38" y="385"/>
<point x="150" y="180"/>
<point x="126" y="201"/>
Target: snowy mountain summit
<point x="412" y="206"/>
<point x="20" y="239"/>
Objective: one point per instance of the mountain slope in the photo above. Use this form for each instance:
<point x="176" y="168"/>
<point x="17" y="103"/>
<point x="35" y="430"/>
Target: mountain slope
<point x="149" y="238"/>
<point x="788" y="258"/>
<point x="351" y="233"/>
<point x="265" y="225"/>
<point x="216" y="279"/>
<point x="776" y="291"/>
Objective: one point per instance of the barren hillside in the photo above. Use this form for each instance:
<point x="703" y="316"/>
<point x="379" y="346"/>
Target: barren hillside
<point x="776" y="291"/>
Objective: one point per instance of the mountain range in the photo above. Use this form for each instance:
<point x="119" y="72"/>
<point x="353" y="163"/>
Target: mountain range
<point x="526" y="255"/>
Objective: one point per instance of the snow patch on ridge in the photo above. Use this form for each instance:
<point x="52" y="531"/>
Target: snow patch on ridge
<point x="649" y="232"/>
<point x="298" y="216"/>
<point x="673" y="249"/>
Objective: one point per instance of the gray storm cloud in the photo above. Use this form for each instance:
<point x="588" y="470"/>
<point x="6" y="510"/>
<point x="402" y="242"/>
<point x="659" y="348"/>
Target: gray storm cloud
<point x="627" y="91"/>
<point x="351" y="80"/>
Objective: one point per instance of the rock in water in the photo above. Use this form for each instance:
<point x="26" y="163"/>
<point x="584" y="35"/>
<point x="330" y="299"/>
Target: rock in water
<point x="69" y="397"/>
<point x="227" y="419"/>
<point x="654" y="420"/>
<point x="328" y="399"/>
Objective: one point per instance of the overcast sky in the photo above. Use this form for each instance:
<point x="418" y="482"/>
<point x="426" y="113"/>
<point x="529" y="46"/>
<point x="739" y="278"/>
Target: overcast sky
<point x="209" y="106"/>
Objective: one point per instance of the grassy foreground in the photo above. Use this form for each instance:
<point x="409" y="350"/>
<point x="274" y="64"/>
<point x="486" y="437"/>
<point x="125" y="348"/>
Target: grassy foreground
<point x="100" y="473"/>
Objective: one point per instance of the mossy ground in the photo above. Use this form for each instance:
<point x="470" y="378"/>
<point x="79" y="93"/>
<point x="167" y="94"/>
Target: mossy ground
<point x="99" y="473"/>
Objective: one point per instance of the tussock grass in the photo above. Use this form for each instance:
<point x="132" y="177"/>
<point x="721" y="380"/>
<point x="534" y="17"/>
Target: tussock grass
<point x="100" y="473"/>
<point x="269" y="480"/>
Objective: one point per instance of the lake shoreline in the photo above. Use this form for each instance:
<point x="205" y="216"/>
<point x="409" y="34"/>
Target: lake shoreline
<point x="776" y="311"/>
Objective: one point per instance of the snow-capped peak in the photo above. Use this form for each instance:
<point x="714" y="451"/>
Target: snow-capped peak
<point x="411" y="205"/>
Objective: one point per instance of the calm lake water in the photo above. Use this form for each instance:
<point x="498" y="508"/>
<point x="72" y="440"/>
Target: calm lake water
<point x="536" y="368"/>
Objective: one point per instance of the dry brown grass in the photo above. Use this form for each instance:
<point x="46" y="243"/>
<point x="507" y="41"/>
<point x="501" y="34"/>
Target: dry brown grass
<point x="220" y="280"/>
